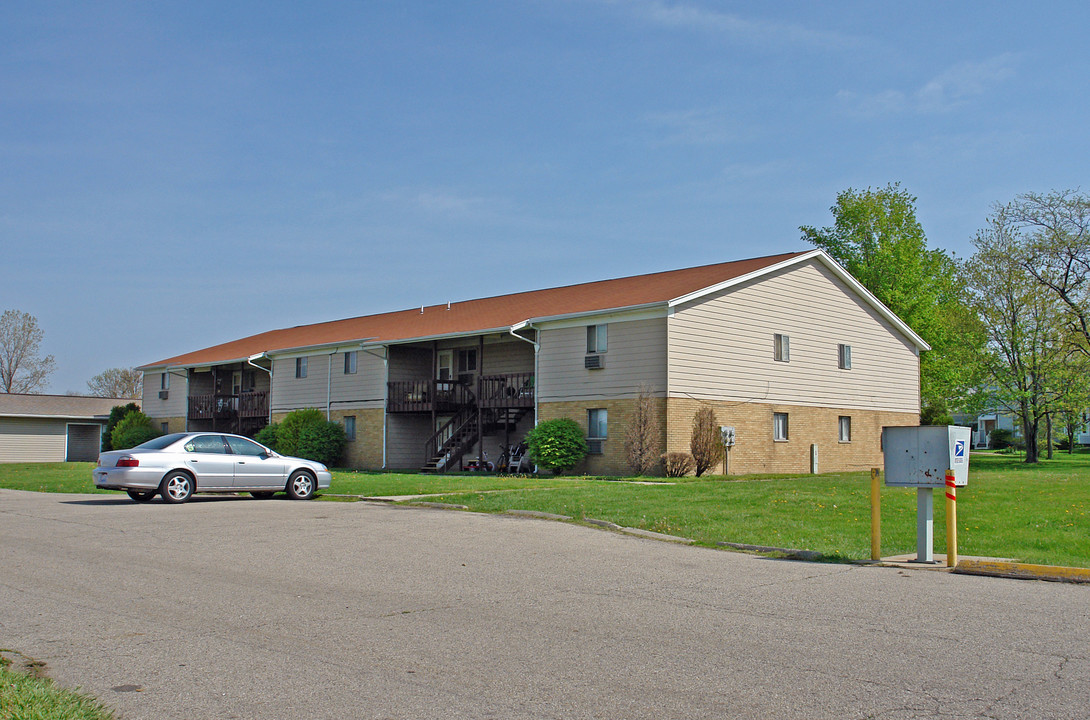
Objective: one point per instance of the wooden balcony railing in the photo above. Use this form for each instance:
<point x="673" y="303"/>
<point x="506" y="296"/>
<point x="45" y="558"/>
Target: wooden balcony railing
<point x="222" y="407"/>
<point x="510" y="390"/>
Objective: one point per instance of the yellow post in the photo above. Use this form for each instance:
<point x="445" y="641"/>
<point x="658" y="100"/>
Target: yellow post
<point x="875" y="515"/>
<point x="951" y="520"/>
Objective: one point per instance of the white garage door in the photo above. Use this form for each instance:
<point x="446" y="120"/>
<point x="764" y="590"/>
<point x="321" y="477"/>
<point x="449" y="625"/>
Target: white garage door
<point x="84" y="442"/>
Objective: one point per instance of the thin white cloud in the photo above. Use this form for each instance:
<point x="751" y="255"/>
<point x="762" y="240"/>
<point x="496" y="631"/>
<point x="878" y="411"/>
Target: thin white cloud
<point x="765" y="33"/>
<point x="448" y="204"/>
<point x="692" y="127"/>
<point x="949" y="90"/>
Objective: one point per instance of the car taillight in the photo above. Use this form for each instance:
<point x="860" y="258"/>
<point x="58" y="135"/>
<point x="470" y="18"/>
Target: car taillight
<point x="128" y="461"/>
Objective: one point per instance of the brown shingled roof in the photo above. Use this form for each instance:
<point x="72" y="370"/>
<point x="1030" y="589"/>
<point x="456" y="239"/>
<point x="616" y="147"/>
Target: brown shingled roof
<point x="64" y="406"/>
<point x="485" y="314"/>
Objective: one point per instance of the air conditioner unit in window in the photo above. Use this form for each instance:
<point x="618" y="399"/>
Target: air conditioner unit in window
<point x="593" y="362"/>
<point x="164" y="394"/>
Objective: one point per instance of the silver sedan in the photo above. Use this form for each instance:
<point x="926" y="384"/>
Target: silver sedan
<point x="178" y="465"/>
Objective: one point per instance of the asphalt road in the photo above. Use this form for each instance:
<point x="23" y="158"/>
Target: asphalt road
<point x="240" y="608"/>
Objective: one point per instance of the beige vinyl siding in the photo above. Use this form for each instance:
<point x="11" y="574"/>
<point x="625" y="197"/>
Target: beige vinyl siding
<point x="363" y="389"/>
<point x="406" y="435"/>
<point x="292" y="393"/>
<point x="174" y="406"/>
<point x="410" y="363"/>
<point x="636" y="354"/>
<point x="32" y="439"/>
<point x="721" y="346"/>
<point x="508" y="357"/>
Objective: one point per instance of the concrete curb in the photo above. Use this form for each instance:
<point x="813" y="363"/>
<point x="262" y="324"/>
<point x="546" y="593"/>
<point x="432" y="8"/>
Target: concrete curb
<point x="1023" y="571"/>
<point x="536" y="514"/>
<point x="602" y="523"/>
<point x="440" y="506"/>
<point x="790" y="553"/>
<point x="656" y="536"/>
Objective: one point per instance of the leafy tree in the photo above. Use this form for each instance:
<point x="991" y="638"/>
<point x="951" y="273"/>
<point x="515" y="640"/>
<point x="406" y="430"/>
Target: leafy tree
<point x="1025" y="354"/>
<point x="643" y="437"/>
<point x="557" y="445"/>
<point x="677" y="464"/>
<point x="876" y="237"/>
<point x="134" y="428"/>
<point x="117" y="383"/>
<point x="117" y="413"/>
<point x="1056" y="226"/>
<point x="706" y="442"/>
<point x="22" y="370"/>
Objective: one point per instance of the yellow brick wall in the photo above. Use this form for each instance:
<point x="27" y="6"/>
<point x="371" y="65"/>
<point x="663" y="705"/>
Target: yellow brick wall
<point x="756" y="452"/>
<point x="174" y="424"/>
<point x="612" y="461"/>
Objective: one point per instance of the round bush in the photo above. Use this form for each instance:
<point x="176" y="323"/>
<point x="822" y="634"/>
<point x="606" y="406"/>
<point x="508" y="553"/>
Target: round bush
<point x="287" y="434"/>
<point x="134" y="428"/>
<point x="323" y="442"/>
<point x="557" y="444"/>
<point x="267" y="436"/>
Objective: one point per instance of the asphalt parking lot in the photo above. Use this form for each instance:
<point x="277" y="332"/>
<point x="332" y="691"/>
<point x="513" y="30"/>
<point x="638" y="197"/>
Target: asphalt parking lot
<point x="241" y="608"/>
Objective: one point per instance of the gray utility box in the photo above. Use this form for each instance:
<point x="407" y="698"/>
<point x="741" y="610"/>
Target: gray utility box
<point x="920" y="456"/>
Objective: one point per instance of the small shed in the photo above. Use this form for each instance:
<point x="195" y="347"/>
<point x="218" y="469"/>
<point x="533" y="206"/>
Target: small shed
<point x="53" y="428"/>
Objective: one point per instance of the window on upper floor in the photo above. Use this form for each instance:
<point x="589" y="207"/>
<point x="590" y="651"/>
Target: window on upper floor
<point x="467" y="361"/>
<point x="164" y="381"/>
<point x="781" y="348"/>
<point x="844" y="356"/>
<point x="597" y="338"/>
<point x="779" y="427"/>
<point x="300" y="367"/>
<point x="350" y="359"/>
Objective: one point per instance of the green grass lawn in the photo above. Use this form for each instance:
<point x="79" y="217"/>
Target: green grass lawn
<point x="26" y="695"/>
<point x="1033" y="514"/>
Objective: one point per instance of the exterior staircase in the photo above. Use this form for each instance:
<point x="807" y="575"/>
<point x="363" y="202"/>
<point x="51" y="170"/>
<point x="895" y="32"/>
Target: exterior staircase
<point x="456" y="437"/>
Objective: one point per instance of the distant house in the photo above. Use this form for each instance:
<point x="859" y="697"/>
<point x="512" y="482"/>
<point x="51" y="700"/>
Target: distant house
<point x="53" y="428"/>
<point x="790" y="350"/>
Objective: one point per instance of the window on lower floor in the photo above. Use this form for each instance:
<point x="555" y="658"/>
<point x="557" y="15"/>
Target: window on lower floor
<point x="845" y="430"/>
<point x="165" y="427"/>
<point x="779" y="427"/>
<point x="350" y="427"/>
<point x="597" y="429"/>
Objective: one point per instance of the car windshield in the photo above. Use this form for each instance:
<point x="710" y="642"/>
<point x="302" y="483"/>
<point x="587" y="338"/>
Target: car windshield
<point x="161" y="442"/>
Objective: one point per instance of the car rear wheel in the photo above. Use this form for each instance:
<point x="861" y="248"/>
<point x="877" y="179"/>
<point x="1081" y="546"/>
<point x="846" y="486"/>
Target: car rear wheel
<point x="301" y="485"/>
<point x="141" y="496"/>
<point x="263" y="495"/>
<point x="177" y="487"/>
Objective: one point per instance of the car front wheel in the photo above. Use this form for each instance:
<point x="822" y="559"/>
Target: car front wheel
<point x="177" y="487"/>
<point x="141" y="496"/>
<point x="301" y="485"/>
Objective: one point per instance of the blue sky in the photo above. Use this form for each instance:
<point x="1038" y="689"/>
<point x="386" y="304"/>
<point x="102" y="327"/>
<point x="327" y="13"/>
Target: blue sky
<point x="176" y="175"/>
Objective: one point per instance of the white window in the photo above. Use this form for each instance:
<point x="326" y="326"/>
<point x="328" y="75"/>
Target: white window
<point x="350" y="360"/>
<point x="300" y="367"/>
<point x="445" y="365"/>
<point x="781" y="348"/>
<point x="164" y="381"/>
<point x="845" y="428"/>
<point x="597" y="429"/>
<point x="779" y="427"/>
<point x="844" y="356"/>
<point x="350" y="427"/>
<point x="597" y="338"/>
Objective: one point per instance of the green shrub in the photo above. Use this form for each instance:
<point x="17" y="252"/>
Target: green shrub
<point x="267" y="436"/>
<point x="117" y="413"/>
<point x="1001" y="438"/>
<point x="557" y="444"/>
<point x="134" y="428"/>
<point x="287" y="434"/>
<point x="323" y="442"/>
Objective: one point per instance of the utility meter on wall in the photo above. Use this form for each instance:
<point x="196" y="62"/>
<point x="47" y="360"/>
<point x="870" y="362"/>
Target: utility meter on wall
<point x="728" y="435"/>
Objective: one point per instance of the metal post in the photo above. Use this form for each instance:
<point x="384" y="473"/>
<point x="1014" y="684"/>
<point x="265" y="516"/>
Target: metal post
<point x="951" y="520"/>
<point x="875" y="514"/>
<point x="925" y="525"/>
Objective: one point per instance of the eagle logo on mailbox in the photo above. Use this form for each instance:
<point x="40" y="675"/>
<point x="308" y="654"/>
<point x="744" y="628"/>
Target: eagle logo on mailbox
<point x="959" y="451"/>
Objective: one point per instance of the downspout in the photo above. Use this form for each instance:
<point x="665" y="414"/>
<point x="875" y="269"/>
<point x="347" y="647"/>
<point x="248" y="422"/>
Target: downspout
<point x="537" y="347"/>
<point x="385" y="402"/>
<point x="329" y="386"/>
<point x="187" y="371"/>
<point x="250" y="361"/>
